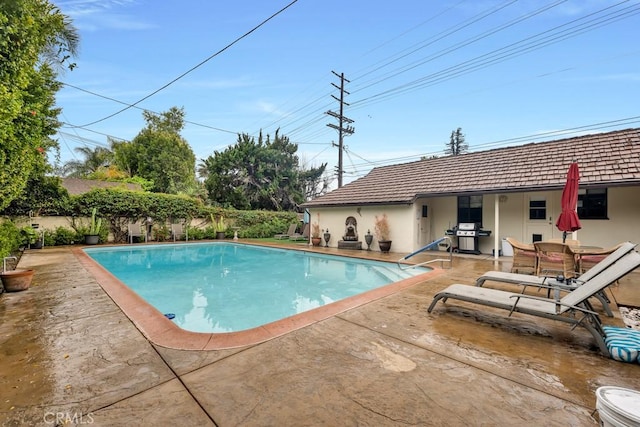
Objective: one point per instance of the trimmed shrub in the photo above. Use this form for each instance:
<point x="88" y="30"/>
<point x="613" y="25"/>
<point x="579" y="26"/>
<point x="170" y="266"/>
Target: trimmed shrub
<point x="10" y="239"/>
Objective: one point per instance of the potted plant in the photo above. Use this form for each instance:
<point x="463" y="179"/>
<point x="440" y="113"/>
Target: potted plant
<point x="93" y="235"/>
<point x="15" y="280"/>
<point x="30" y="238"/>
<point x="219" y="227"/>
<point x="315" y="234"/>
<point x="382" y="232"/>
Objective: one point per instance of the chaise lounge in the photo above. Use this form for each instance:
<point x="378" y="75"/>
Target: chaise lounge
<point x="573" y="308"/>
<point x="551" y="281"/>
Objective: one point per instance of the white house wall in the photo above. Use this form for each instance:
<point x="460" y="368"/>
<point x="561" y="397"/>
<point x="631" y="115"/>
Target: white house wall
<point x="623" y="207"/>
<point x="623" y="223"/>
<point x="401" y="224"/>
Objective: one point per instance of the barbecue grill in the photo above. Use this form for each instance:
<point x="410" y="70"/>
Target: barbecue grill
<point x="467" y="234"/>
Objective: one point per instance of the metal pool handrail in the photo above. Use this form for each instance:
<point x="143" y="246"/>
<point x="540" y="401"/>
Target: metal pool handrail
<point x="431" y="245"/>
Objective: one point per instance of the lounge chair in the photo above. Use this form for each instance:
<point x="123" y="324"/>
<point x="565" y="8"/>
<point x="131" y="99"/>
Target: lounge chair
<point x="303" y="236"/>
<point x="573" y="308"/>
<point x="524" y="256"/>
<point x="290" y="232"/>
<point x="136" y="230"/>
<point x="551" y="281"/>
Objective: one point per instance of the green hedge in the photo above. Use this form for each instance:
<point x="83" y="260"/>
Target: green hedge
<point x="10" y="239"/>
<point x="118" y="207"/>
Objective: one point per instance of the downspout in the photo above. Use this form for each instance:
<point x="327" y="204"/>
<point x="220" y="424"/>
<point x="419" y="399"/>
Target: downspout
<point x="496" y="224"/>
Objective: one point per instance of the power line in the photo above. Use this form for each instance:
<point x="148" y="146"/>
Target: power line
<point x="139" y="108"/>
<point x="510" y="51"/>
<point x="537" y="137"/>
<point x="194" y="67"/>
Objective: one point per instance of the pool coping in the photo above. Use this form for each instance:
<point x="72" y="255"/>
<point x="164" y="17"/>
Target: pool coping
<point x="163" y="332"/>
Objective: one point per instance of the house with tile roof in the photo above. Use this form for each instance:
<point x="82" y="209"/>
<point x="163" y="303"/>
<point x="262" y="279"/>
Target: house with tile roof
<point x="512" y="192"/>
<point x="77" y="186"/>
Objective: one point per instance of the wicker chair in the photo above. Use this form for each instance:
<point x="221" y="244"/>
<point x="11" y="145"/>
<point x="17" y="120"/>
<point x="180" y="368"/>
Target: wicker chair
<point x="594" y="256"/>
<point x="524" y="257"/>
<point x="571" y="242"/>
<point x="555" y="258"/>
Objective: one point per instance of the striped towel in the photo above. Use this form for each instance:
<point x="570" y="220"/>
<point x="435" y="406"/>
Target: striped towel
<point x="623" y="343"/>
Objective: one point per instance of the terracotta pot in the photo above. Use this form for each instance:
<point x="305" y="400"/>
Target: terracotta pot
<point x="16" y="280"/>
<point x="385" y="245"/>
<point x="315" y="241"/>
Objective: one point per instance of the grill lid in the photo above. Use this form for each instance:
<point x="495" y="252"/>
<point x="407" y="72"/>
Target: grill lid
<point x="468" y="226"/>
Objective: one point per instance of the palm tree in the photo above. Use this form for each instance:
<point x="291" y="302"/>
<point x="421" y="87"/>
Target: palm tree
<point x="94" y="159"/>
<point x="62" y="44"/>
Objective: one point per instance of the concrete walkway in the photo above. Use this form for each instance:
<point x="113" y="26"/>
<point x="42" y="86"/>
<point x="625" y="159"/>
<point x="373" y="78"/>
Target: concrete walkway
<point x="69" y="356"/>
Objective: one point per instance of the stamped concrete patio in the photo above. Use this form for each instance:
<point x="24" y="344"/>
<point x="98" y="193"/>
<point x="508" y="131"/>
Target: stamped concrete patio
<point x="69" y="356"/>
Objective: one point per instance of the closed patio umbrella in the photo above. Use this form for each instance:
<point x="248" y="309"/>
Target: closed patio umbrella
<point x="568" y="219"/>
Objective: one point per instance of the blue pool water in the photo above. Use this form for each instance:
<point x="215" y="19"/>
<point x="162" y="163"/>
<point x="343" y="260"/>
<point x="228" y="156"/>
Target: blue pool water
<point x="228" y="287"/>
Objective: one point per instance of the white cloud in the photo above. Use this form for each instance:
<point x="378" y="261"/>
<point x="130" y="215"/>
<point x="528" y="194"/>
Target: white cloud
<point x="94" y="15"/>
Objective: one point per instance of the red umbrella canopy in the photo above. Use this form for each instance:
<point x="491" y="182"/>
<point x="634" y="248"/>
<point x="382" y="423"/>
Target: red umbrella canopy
<point x="568" y="219"/>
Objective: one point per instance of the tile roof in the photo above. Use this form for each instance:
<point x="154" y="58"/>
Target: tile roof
<point x="77" y="186"/>
<point x="605" y="159"/>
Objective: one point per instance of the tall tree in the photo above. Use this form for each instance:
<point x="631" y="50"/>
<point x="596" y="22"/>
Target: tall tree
<point x="34" y="35"/>
<point x="159" y="154"/>
<point x="457" y="144"/>
<point x="259" y="175"/>
<point x="94" y="159"/>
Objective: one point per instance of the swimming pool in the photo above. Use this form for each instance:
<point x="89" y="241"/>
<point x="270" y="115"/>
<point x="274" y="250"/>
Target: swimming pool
<point x="220" y="287"/>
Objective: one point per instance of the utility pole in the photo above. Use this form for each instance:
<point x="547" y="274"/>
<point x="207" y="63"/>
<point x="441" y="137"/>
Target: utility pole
<point x="343" y="127"/>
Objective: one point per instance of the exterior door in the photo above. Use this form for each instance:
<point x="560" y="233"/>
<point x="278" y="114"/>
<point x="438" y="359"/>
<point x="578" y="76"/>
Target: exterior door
<point x="538" y="217"/>
<point x="424" y="227"/>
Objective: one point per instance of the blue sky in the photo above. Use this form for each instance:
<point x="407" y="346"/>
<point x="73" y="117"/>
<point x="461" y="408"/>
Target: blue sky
<point x="505" y="71"/>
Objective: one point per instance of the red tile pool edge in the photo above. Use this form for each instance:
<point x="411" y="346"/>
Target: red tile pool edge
<point x="163" y="332"/>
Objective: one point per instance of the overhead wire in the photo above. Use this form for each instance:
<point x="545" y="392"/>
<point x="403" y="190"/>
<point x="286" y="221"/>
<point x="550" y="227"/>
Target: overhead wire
<point x="504" y="53"/>
<point x="531" y="138"/>
<point x="246" y="34"/>
<point x="306" y="128"/>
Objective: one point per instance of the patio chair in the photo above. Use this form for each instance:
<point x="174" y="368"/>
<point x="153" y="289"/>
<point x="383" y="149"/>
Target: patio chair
<point x="593" y="257"/>
<point x="178" y="232"/>
<point x="555" y="258"/>
<point x="290" y="232"/>
<point x="549" y="282"/>
<point x="524" y="256"/>
<point x="136" y="230"/>
<point x="571" y="242"/>
<point x="573" y="308"/>
<point x="303" y="236"/>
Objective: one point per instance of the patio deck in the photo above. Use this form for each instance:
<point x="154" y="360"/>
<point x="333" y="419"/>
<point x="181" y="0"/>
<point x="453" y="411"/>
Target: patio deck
<point x="68" y="353"/>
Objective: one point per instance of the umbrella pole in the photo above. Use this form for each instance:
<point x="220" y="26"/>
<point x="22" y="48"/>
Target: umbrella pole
<point x="564" y="236"/>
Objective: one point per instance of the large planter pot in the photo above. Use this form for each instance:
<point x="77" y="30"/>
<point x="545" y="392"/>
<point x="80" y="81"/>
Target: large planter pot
<point x="16" y="280"/>
<point x="220" y="235"/>
<point x="91" y="239"/>
<point x="385" y="245"/>
<point x="315" y="241"/>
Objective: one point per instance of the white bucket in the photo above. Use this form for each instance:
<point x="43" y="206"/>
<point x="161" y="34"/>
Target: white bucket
<point x="618" y="407"/>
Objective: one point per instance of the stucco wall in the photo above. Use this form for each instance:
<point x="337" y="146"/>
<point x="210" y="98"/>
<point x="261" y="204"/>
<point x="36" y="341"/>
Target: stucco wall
<point x="400" y="224"/>
<point x="623" y="223"/>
